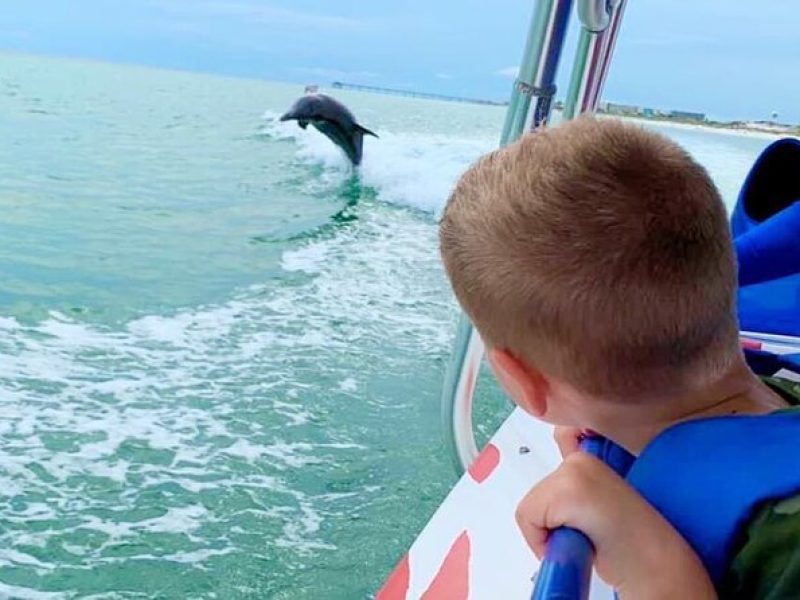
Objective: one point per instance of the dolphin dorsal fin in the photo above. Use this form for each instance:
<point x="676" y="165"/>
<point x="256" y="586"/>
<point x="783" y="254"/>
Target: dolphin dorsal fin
<point x="364" y="130"/>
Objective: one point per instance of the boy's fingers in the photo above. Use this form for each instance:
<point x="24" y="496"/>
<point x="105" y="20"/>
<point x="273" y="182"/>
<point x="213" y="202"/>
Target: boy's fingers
<point x="535" y="536"/>
<point x="556" y="500"/>
<point x="541" y="508"/>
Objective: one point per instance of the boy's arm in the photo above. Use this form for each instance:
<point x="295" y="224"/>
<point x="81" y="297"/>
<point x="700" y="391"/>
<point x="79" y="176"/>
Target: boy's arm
<point x="637" y="550"/>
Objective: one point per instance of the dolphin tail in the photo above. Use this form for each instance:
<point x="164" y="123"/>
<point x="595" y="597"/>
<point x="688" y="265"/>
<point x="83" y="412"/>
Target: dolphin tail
<point x="358" y="143"/>
<point x="359" y="132"/>
<point x="365" y="131"/>
<point x="358" y="147"/>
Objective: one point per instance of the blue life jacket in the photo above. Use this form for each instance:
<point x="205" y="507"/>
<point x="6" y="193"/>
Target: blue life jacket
<point x="707" y="477"/>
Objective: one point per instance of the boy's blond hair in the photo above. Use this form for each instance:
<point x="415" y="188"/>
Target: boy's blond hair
<point x="600" y="253"/>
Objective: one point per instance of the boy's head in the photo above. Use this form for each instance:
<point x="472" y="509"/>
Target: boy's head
<point x="598" y="253"/>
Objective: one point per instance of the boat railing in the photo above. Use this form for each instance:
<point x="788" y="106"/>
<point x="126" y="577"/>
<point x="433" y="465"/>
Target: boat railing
<point x="600" y="22"/>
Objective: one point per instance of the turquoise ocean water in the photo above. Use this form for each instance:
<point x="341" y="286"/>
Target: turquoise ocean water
<point x="220" y="350"/>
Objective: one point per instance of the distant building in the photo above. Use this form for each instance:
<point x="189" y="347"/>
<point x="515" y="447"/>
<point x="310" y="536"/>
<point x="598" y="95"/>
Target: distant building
<point x="626" y="110"/>
<point x="687" y="115"/>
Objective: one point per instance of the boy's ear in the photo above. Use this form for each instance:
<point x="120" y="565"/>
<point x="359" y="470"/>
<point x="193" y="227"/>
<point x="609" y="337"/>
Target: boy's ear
<point x="526" y="386"/>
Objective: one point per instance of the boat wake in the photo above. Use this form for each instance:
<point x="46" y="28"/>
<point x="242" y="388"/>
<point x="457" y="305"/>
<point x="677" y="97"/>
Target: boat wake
<point x="406" y="169"/>
<point x="229" y="434"/>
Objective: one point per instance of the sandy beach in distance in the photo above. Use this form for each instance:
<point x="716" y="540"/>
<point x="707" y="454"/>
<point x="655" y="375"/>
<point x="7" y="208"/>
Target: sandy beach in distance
<point x="730" y="130"/>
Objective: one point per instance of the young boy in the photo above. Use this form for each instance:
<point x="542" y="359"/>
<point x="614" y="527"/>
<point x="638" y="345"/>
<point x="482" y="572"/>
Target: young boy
<point x="596" y="262"/>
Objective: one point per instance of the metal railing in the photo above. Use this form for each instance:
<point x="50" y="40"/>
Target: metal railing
<point x="600" y="21"/>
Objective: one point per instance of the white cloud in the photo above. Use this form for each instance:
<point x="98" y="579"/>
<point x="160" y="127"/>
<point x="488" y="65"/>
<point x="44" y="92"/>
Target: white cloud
<point x="183" y="27"/>
<point x="259" y="12"/>
<point x="675" y="39"/>
<point x="443" y="76"/>
<point x="335" y="74"/>
<point x="510" y="72"/>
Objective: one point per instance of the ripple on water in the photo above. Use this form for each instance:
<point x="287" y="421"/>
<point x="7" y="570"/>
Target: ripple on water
<point x="216" y="440"/>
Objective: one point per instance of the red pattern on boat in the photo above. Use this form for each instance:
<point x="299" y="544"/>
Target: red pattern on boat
<point x="750" y="344"/>
<point x="452" y="580"/>
<point x="485" y="464"/>
<point x="396" y="587"/>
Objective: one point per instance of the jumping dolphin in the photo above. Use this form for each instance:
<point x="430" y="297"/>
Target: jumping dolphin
<point x="333" y="119"/>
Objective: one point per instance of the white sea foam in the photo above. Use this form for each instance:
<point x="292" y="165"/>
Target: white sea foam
<point x="223" y="412"/>
<point x="20" y="593"/>
<point x="178" y="520"/>
<point x="197" y="557"/>
<point x="348" y="384"/>
<point x="221" y="399"/>
<point x="10" y="557"/>
<point x="307" y="259"/>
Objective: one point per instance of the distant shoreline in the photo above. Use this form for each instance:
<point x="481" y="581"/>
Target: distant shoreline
<point x="750" y="129"/>
<point x="721" y="128"/>
<point x="754" y="130"/>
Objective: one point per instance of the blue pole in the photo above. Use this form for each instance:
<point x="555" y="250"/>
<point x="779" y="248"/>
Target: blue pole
<point x="548" y="16"/>
<point x="528" y="72"/>
<point x="566" y="570"/>
<point x="552" y="55"/>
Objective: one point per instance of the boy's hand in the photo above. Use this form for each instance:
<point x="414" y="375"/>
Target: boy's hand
<point x="637" y="550"/>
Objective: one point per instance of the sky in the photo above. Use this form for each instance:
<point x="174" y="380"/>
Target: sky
<point x="728" y="58"/>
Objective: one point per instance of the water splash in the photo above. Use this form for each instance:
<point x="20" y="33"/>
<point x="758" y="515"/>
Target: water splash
<point x="415" y="170"/>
